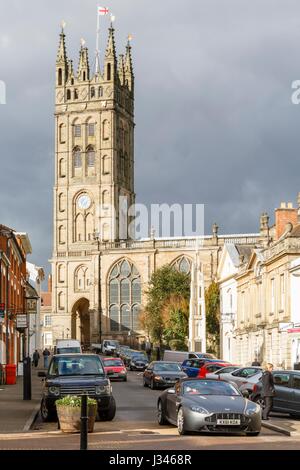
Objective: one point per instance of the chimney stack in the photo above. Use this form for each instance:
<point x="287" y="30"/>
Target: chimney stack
<point x="286" y="214"/>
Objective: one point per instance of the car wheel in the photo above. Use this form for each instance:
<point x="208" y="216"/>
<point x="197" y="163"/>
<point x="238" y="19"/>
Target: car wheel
<point x="144" y="382"/>
<point x="256" y="433"/>
<point x="46" y="413"/>
<point x="160" y="414"/>
<point x="152" y="385"/>
<point x="108" y="415"/>
<point x="260" y="401"/>
<point x="180" y="422"/>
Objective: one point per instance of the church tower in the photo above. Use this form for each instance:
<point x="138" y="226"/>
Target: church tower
<point x="94" y="168"/>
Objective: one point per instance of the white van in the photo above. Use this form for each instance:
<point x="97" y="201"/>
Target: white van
<point x="66" y="346"/>
<point x="180" y="356"/>
<point x="109" y="346"/>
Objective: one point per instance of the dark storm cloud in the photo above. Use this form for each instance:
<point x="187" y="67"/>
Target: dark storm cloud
<point x="215" y="122"/>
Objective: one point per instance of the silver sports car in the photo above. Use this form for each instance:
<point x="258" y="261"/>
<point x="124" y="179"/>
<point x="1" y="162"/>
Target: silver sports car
<point x="208" y="405"/>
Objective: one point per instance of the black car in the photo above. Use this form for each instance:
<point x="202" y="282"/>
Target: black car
<point x="127" y="354"/>
<point x="161" y="374"/>
<point x="138" y="361"/>
<point x="287" y="392"/>
<point x="75" y="374"/>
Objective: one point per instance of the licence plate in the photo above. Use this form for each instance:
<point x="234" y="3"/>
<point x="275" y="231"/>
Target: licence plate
<point x="229" y="422"/>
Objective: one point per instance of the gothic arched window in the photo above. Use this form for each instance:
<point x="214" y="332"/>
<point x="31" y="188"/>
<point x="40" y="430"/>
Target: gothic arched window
<point x="68" y="94"/>
<point x="90" y="156"/>
<point x="77" y="158"/>
<point x="59" y="77"/>
<point x="105" y="130"/>
<point x="125" y="295"/>
<point x="75" y="94"/>
<point x="93" y="92"/>
<point x="100" y="92"/>
<point x="105" y="165"/>
<point x="108" y="71"/>
<point x="81" y="281"/>
<point x="183" y="265"/>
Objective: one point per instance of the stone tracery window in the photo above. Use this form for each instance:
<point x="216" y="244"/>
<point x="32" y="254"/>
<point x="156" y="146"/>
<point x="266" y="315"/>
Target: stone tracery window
<point x="124" y="297"/>
<point x="183" y="265"/>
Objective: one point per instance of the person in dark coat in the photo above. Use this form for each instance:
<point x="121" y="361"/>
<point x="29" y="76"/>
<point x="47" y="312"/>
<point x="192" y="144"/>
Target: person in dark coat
<point x="256" y="362"/>
<point x="268" y="390"/>
<point x="35" y="358"/>
<point x="46" y="354"/>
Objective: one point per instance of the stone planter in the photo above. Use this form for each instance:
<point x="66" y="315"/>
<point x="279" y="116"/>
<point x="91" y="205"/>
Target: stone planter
<point x="69" y="418"/>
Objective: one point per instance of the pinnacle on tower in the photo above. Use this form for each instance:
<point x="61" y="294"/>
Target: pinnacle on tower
<point x="61" y="61"/>
<point x="110" y="61"/>
<point x="83" y="67"/>
<point x="129" y="76"/>
<point x="71" y="76"/>
<point x="62" y="52"/>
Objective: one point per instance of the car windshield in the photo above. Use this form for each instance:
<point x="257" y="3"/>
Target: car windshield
<point x="167" y="367"/>
<point x="139" y="356"/>
<point x="68" y="350"/>
<point x="80" y="365"/>
<point x="207" y="387"/>
<point x="113" y="363"/>
<point x="112" y="343"/>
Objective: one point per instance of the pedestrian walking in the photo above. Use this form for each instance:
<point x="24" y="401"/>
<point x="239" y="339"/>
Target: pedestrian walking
<point x="148" y="348"/>
<point x="268" y="390"/>
<point x="35" y="358"/>
<point x="46" y="354"/>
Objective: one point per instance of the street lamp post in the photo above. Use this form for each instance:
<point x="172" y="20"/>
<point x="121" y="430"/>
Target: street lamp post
<point x="31" y="306"/>
<point x="97" y="239"/>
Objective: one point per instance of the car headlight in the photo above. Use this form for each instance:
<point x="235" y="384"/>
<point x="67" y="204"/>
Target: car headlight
<point x="54" y="391"/>
<point x="252" y="411"/>
<point x="200" y="409"/>
<point x="103" y="389"/>
<point x="158" y="377"/>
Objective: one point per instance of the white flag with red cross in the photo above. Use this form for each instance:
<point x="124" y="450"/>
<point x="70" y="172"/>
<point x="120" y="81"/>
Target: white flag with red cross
<point x="103" y="11"/>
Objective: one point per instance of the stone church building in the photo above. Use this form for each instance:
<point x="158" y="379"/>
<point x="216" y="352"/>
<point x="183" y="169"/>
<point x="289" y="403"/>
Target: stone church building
<point x="99" y="277"/>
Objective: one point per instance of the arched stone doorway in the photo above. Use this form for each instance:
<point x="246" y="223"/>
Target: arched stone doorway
<point x="81" y="325"/>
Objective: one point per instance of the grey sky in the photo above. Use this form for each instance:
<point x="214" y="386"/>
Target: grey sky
<point x="215" y="122"/>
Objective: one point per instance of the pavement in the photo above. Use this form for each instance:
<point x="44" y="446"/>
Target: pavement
<point x="16" y="414"/>
<point x="283" y="424"/>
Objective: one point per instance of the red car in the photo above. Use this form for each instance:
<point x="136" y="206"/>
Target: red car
<point x="114" y="368"/>
<point x="209" y="367"/>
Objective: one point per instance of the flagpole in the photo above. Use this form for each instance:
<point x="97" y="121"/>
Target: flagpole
<point x="97" y="65"/>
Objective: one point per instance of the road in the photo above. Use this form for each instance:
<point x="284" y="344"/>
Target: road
<point x="135" y="428"/>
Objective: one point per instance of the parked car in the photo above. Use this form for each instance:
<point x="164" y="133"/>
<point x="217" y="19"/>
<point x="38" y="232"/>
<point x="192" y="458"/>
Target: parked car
<point x="75" y="374"/>
<point x="192" y="366"/>
<point x="180" y="356"/>
<point x="162" y="374"/>
<point x="209" y="367"/>
<point x="218" y="374"/>
<point x="120" y="349"/>
<point x="115" y="368"/>
<point x="287" y="388"/>
<point x="109" y="347"/>
<point x="65" y="346"/>
<point x="244" y="377"/>
<point x="139" y="361"/>
<point x="209" y="405"/>
<point x="127" y="355"/>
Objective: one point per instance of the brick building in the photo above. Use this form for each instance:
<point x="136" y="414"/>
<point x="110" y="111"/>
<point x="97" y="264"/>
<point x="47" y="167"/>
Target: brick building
<point x="14" y="247"/>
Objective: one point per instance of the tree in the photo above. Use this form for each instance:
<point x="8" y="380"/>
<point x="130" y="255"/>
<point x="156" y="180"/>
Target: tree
<point x="212" y="306"/>
<point x="166" y="285"/>
<point x="175" y="316"/>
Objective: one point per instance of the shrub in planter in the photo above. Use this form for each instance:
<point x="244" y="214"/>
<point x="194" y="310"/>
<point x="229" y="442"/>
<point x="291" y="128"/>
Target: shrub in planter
<point x="69" y="412"/>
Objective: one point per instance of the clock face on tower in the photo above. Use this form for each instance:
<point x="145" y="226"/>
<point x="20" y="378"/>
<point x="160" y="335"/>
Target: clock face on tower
<point x="84" y="202"/>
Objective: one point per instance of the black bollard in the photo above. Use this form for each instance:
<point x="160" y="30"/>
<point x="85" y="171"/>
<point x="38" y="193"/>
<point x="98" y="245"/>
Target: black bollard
<point x="27" y="378"/>
<point x="84" y="423"/>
